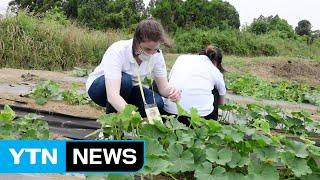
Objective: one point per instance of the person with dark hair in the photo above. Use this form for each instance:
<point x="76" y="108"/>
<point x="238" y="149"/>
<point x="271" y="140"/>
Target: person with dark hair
<point x="116" y="81"/>
<point x="200" y="79"/>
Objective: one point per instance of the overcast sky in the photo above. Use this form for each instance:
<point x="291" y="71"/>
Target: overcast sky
<point x="291" y="10"/>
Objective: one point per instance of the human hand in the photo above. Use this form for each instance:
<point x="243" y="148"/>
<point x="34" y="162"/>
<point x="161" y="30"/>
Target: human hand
<point x="174" y="94"/>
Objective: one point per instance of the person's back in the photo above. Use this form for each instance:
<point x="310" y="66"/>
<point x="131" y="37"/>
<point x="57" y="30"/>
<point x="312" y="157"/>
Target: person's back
<point x="196" y="76"/>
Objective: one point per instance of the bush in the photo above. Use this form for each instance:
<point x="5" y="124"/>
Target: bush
<point x="263" y="25"/>
<point x="31" y="43"/>
<point x="230" y="41"/>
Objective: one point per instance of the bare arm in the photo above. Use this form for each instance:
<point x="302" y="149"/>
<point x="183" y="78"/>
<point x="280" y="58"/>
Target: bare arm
<point x="221" y="100"/>
<point x="163" y="86"/>
<point x="167" y="91"/>
<point x="113" y="94"/>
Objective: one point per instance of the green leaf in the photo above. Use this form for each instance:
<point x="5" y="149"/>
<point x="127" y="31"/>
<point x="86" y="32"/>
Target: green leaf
<point x="238" y="160"/>
<point x="176" y="125"/>
<point x="181" y="111"/>
<point x="236" y="176"/>
<point x="7" y="131"/>
<point x="298" y="148"/>
<point x="221" y="157"/>
<point x="262" y="124"/>
<point x="155" y="165"/>
<point x="260" y="171"/>
<point x="201" y="133"/>
<point x="246" y="130"/>
<point x="7" y="114"/>
<point x="297" y="165"/>
<point x="108" y="119"/>
<point x="182" y="161"/>
<point x="162" y="127"/>
<point x="311" y="176"/>
<point x="313" y="163"/>
<point x="185" y="137"/>
<point x="154" y="148"/>
<point x="230" y="134"/>
<point x="205" y="172"/>
<point x="268" y="155"/>
<point x="95" y="176"/>
<point x="120" y="177"/>
<point x="213" y="126"/>
<point x="199" y="155"/>
<point x="315" y="150"/>
<point x="262" y="140"/>
<point x="151" y="131"/>
<point x="195" y="117"/>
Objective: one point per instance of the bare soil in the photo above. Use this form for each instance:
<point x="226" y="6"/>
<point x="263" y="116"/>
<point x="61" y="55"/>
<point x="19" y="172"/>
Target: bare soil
<point x="306" y="71"/>
<point x="271" y="69"/>
<point x="28" y="78"/>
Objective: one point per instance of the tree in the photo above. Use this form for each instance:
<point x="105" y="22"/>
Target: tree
<point x="263" y="25"/>
<point x="102" y="14"/>
<point x="169" y="12"/>
<point x="188" y="14"/>
<point x="303" y="28"/>
<point x="99" y="14"/>
<point x="260" y="25"/>
<point x="35" y="6"/>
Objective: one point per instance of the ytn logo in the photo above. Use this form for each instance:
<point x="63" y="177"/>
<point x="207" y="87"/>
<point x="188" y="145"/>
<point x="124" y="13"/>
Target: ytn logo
<point x="32" y="152"/>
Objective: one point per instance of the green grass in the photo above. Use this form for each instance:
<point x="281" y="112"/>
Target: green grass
<point x="30" y="43"/>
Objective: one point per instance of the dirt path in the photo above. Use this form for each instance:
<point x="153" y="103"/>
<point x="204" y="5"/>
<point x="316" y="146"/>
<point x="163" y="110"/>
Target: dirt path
<point x="275" y="69"/>
<point x="291" y="106"/>
<point x="17" y="82"/>
<point x="14" y="82"/>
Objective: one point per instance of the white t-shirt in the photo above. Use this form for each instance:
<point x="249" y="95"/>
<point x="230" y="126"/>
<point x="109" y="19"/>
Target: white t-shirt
<point x="119" y="58"/>
<point x="196" y="76"/>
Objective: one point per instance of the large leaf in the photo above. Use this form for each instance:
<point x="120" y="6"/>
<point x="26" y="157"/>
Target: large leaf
<point x="205" y="172"/>
<point x="182" y="161"/>
<point x="260" y="171"/>
<point x="7" y="114"/>
<point x="238" y="160"/>
<point x="298" y="148"/>
<point x="155" y="165"/>
<point x="230" y="134"/>
<point x="297" y="165"/>
<point x="221" y="156"/>
<point x="154" y="148"/>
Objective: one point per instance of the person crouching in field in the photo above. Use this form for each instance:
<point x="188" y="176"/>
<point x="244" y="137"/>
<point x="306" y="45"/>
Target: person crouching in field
<point x="200" y="79"/>
<point x="115" y="81"/>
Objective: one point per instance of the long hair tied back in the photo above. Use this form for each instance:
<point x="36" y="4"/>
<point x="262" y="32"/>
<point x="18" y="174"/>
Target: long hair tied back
<point x="215" y="55"/>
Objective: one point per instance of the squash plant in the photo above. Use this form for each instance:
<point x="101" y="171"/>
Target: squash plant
<point x="31" y="126"/>
<point x="210" y="149"/>
<point x="50" y="90"/>
<point x="248" y="85"/>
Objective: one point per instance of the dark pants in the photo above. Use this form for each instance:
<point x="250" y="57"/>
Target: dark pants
<point x="131" y="94"/>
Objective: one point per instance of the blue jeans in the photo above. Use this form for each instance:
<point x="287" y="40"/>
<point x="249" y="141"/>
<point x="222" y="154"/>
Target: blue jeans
<point x="131" y="94"/>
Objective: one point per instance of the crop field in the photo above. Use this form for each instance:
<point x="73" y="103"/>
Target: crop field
<point x="268" y="128"/>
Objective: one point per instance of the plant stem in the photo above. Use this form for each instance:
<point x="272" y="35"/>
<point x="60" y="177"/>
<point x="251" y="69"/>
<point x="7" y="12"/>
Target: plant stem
<point x="171" y="176"/>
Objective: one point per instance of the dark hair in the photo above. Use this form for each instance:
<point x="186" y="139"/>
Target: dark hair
<point x="215" y="55"/>
<point x="149" y="30"/>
